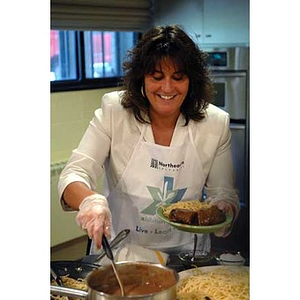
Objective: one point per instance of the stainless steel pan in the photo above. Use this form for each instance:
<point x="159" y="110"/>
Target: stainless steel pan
<point x="141" y="280"/>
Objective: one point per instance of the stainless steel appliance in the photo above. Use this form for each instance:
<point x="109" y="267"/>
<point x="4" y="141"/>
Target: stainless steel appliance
<point x="230" y="74"/>
<point x="231" y="93"/>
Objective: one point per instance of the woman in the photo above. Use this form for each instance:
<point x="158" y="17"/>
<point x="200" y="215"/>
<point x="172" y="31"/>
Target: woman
<point x="158" y="141"/>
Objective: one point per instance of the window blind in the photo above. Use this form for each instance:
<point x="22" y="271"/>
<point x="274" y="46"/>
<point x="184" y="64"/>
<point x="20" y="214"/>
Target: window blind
<point x="114" y="15"/>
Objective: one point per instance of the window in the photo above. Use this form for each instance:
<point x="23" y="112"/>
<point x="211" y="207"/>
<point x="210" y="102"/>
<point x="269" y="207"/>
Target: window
<point x="63" y="55"/>
<point x="87" y="59"/>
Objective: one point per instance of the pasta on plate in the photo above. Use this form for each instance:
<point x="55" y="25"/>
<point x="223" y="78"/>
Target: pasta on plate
<point x="193" y="205"/>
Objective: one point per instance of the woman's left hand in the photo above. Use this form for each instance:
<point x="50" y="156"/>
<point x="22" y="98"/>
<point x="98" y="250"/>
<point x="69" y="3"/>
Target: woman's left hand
<point x="228" y="209"/>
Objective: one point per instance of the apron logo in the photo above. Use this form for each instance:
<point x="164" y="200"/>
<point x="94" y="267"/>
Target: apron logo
<point x="156" y="164"/>
<point x="165" y="196"/>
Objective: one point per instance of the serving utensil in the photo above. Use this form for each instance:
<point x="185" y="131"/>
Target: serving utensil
<point x="95" y="258"/>
<point x="109" y="254"/>
<point x="57" y="279"/>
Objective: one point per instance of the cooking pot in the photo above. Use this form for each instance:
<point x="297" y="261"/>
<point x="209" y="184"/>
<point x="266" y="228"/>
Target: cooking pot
<point x="141" y="280"/>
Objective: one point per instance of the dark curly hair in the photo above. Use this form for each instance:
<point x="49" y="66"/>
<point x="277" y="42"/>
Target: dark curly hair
<point x="156" y="44"/>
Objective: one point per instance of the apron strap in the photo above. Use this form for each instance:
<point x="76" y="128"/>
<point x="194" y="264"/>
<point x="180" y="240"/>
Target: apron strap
<point x="190" y="134"/>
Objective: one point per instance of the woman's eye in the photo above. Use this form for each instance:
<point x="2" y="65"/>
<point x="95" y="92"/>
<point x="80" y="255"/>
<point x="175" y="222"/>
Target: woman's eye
<point x="178" y="77"/>
<point x="157" y="78"/>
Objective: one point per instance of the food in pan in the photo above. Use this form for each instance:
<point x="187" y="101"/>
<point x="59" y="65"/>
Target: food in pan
<point x="69" y="282"/>
<point x="214" y="285"/>
<point x="194" y="212"/>
<point x="136" y="289"/>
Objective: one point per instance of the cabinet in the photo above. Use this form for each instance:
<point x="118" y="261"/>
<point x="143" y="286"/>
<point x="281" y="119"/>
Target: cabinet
<point x="188" y="13"/>
<point x="217" y="22"/>
<point x="226" y="22"/>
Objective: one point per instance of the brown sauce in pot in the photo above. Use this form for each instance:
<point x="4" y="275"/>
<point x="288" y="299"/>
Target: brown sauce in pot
<point x="137" y="289"/>
<point x="137" y="279"/>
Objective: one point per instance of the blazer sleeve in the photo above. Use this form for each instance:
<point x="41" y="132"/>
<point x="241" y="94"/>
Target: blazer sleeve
<point x="220" y="183"/>
<point x="86" y="163"/>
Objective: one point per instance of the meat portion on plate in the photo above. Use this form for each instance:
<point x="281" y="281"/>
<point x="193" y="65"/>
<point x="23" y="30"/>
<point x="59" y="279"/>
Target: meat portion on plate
<point x="185" y="216"/>
<point x="210" y="216"/>
<point x="203" y="217"/>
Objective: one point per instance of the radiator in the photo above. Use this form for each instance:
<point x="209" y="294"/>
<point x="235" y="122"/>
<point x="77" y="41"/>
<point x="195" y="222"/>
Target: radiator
<point x="63" y="224"/>
<point x="56" y="168"/>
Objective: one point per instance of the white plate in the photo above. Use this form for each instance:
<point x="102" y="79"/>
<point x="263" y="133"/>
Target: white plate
<point x="193" y="271"/>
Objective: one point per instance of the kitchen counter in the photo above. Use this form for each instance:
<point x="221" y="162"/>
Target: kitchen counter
<point x="175" y="263"/>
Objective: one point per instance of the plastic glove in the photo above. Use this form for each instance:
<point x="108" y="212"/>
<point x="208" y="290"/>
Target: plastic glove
<point x="228" y="209"/>
<point x="94" y="216"/>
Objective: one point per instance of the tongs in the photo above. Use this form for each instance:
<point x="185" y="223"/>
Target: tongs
<point x="95" y="258"/>
<point x="109" y="254"/>
<point x="57" y="279"/>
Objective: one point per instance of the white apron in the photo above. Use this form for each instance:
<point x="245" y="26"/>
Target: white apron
<point x="157" y="175"/>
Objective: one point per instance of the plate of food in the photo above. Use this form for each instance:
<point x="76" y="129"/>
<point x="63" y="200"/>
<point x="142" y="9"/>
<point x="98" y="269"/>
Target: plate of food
<point x="214" y="282"/>
<point x="193" y="216"/>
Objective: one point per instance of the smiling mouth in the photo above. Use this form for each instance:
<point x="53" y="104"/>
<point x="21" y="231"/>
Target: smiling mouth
<point x="165" y="97"/>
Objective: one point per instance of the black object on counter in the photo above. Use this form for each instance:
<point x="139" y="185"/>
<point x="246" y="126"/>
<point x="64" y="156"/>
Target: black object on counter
<point x="75" y="269"/>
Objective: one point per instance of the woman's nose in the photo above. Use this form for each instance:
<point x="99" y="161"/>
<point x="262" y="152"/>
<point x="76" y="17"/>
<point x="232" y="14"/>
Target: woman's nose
<point x="167" y="85"/>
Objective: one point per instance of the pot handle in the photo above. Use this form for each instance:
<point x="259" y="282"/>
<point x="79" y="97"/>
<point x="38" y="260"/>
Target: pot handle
<point x="63" y="291"/>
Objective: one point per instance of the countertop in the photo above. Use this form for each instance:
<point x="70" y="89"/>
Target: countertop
<point x="175" y="263"/>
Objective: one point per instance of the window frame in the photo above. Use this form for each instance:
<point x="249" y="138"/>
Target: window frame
<point x="83" y="83"/>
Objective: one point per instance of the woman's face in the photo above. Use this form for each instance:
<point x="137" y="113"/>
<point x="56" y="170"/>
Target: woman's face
<point x="166" y="89"/>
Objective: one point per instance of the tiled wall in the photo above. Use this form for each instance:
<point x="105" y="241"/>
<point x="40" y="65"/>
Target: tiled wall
<point x="70" y="116"/>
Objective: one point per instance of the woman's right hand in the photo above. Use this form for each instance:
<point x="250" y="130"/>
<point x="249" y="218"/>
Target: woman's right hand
<point x="94" y="216"/>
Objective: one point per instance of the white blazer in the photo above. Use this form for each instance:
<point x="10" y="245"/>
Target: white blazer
<point x="113" y="133"/>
